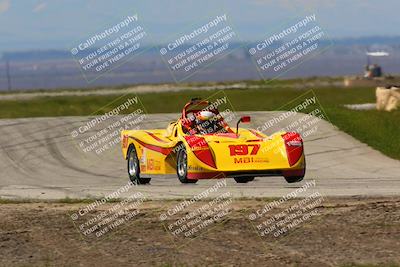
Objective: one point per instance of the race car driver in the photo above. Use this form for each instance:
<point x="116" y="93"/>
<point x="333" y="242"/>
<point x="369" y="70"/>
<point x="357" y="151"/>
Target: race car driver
<point x="207" y="122"/>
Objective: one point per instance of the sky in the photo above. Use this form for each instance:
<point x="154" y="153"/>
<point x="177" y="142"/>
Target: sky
<point x="59" y="24"/>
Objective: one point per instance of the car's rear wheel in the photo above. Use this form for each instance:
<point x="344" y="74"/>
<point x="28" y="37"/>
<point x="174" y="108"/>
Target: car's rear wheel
<point x="245" y="179"/>
<point x="134" y="167"/>
<point x="181" y="167"/>
<point x="295" y="178"/>
<point x="298" y="177"/>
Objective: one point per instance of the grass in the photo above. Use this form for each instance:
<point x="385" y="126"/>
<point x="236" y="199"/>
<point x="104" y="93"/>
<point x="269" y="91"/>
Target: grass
<point x="241" y="99"/>
<point x="66" y="200"/>
<point x="89" y="200"/>
<point x="380" y="130"/>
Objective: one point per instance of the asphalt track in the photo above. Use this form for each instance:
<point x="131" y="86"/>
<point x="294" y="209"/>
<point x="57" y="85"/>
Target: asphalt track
<point x="39" y="159"/>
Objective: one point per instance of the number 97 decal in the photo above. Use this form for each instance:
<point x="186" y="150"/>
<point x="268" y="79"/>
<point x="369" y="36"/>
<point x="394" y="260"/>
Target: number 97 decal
<point x="240" y="150"/>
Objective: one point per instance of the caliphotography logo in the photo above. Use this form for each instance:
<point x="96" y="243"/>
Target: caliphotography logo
<point x="102" y="133"/>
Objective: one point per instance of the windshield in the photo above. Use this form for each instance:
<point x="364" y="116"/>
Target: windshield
<point x="212" y="124"/>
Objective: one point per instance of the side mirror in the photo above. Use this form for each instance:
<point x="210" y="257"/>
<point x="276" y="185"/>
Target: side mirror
<point x="244" y="119"/>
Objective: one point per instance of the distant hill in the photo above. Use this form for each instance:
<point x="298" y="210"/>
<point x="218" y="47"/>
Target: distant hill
<point x="34" y="55"/>
<point x="57" y="69"/>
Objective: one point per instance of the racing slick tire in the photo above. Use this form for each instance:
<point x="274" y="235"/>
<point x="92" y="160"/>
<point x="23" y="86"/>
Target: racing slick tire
<point x="296" y="178"/>
<point x="181" y="167"/>
<point x="242" y="180"/>
<point x="134" y="167"/>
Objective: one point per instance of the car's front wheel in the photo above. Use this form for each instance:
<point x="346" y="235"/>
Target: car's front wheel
<point x="242" y="180"/>
<point x="181" y="167"/>
<point x="134" y="167"/>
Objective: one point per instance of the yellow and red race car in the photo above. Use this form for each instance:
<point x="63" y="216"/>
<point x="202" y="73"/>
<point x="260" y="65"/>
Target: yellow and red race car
<point x="201" y="145"/>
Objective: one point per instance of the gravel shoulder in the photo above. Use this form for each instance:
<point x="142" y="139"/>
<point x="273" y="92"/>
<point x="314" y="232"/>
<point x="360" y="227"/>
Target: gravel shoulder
<point x="347" y="230"/>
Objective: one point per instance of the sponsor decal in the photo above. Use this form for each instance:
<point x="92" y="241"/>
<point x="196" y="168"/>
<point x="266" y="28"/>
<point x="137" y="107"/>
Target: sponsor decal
<point x="195" y="168"/>
<point x="153" y="165"/>
<point x="125" y="141"/>
<point x="244" y="160"/>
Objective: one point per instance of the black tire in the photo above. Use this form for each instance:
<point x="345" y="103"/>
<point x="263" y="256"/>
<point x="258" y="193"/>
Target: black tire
<point x="134" y="167"/>
<point x="294" y="179"/>
<point x="181" y="167"/>
<point x="243" y="180"/>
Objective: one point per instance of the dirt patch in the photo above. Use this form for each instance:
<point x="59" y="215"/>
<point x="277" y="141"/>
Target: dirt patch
<point x="362" y="231"/>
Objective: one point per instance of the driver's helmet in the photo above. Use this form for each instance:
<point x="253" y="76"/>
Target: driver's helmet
<point x="205" y="115"/>
<point x="207" y="122"/>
